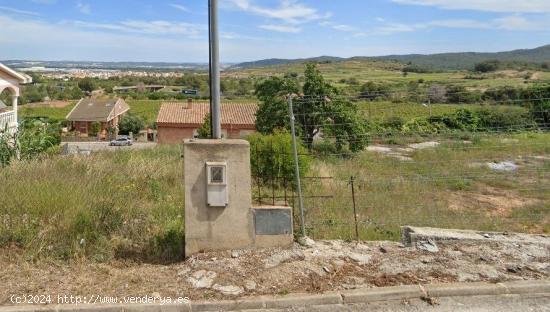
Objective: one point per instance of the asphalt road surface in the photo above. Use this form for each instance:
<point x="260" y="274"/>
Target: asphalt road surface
<point x="504" y="303"/>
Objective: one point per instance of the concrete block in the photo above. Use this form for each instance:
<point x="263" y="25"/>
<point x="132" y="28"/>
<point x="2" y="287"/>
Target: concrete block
<point x="464" y="289"/>
<point x="245" y="304"/>
<point x="217" y="228"/>
<point x="270" y="241"/>
<point x="382" y="294"/>
<point x="302" y="300"/>
<point x="141" y="308"/>
<point x="176" y="308"/>
<point x="528" y="287"/>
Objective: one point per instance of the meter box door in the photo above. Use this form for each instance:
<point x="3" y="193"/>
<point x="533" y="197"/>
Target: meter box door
<point x="216" y="184"/>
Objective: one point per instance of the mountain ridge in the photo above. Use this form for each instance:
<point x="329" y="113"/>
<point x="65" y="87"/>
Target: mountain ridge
<point x="437" y="61"/>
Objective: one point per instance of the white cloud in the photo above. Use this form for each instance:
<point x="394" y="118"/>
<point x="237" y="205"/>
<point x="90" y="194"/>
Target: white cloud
<point x="84" y="8"/>
<point x="179" y="7"/>
<point x="510" y="23"/>
<point x="516" y="6"/>
<point x="282" y="28"/>
<point x="34" y="39"/>
<point x="17" y="11"/>
<point x="145" y="27"/>
<point x="289" y="11"/>
<point x="340" y="27"/>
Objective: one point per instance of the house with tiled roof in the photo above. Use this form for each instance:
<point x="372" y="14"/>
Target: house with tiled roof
<point x="178" y="121"/>
<point x="106" y="112"/>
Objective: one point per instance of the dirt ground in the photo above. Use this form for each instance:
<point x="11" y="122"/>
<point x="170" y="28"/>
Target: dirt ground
<point x="327" y="265"/>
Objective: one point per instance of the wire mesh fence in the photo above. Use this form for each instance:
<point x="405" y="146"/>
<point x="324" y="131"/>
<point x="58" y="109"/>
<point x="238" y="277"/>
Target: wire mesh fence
<point x="376" y="166"/>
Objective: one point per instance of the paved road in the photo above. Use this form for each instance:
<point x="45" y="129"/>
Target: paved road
<point x="505" y="303"/>
<point x="75" y="147"/>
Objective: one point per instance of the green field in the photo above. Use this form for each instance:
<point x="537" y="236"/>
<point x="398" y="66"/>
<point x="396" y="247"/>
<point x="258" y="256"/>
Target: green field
<point x="129" y="204"/>
<point x="391" y="72"/>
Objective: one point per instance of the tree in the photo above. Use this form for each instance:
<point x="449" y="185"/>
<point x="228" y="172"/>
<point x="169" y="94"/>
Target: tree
<point x="131" y="123"/>
<point x="487" y="66"/>
<point x="87" y="85"/>
<point x="271" y="159"/>
<point x="206" y="129"/>
<point x="319" y="110"/>
<point x="95" y="128"/>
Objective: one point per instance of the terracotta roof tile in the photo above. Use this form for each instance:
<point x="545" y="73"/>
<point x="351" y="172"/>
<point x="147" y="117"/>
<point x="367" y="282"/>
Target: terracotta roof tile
<point x="243" y="114"/>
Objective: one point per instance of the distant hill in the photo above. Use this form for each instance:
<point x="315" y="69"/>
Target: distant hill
<point x="277" y="62"/>
<point x="441" y="61"/>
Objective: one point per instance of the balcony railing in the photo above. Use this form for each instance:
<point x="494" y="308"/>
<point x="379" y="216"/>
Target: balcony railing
<point x="7" y="121"/>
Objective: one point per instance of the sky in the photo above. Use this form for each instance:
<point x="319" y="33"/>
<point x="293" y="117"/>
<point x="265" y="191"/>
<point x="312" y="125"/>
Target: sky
<point x="176" y="30"/>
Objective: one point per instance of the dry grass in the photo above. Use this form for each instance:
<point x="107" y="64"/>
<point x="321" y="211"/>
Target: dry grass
<point x="115" y="204"/>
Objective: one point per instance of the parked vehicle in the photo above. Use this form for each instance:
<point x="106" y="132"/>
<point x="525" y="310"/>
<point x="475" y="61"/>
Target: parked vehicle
<point x="122" y="141"/>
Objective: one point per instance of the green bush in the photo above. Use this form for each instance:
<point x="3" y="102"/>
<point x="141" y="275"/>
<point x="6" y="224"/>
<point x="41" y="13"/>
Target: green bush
<point x="505" y="118"/>
<point x="35" y="138"/>
<point x="540" y="110"/>
<point x="394" y="123"/>
<point x="131" y="123"/>
<point x="422" y="126"/>
<point x="272" y="157"/>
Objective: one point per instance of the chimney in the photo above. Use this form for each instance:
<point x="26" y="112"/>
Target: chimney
<point x="189" y="103"/>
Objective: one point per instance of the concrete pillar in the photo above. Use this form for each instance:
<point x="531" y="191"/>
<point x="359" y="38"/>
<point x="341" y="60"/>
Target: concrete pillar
<point x="217" y="228"/>
<point x="15" y="100"/>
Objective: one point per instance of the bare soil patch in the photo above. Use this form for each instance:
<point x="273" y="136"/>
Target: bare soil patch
<point x="494" y="201"/>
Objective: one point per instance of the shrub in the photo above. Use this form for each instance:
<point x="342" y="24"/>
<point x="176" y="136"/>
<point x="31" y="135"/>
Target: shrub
<point x="95" y="129"/>
<point x="131" y="123"/>
<point x="487" y="66"/>
<point x="34" y="139"/>
<point x="272" y="157"/>
<point x="422" y="126"/>
<point x="394" y="122"/>
<point x="540" y="110"/>
<point x="372" y="91"/>
<point x="504" y="118"/>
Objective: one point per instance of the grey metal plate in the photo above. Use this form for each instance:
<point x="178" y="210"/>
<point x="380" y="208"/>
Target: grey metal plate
<point x="273" y="221"/>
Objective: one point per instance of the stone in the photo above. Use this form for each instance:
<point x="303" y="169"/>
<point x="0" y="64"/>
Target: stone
<point x="359" y="258"/>
<point x="338" y="264"/>
<point x="283" y="256"/>
<point x="250" y="285"/>
<point x="424" y="145"/>
<point x="202" y="279"/>
<point x="503" y="166"/>
<point x="184" y="271"/>
<point x="234" y="254"/>
<point x="427" y="245"/>
<point x="306" y="241"/>
<point x="378" y="149"/>
<point x="229" y="290"/>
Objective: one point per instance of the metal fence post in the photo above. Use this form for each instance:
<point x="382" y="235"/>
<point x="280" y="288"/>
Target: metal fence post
<point x="297" y="164"/>
<point x="351" y="182"/>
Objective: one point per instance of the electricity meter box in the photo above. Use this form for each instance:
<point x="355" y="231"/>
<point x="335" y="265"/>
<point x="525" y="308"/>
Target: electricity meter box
<point x="216" y="184"/>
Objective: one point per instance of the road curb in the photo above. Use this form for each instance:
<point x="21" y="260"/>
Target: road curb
<point x="366" y="295"/>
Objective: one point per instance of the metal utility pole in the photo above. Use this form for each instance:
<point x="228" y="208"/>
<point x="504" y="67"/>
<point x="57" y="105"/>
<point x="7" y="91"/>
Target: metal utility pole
<point x="215" y="99"/>
<point x="297" y="165"/>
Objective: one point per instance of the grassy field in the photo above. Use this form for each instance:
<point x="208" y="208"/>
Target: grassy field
<point x="130" y="204"/>
<point x="109" y="205"/>
<point x="391" y="72"/>
<point x="49" y="112"/>
<point x="447" y="186"/>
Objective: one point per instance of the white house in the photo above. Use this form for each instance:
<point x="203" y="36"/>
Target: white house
<point x="11" y="80"/>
